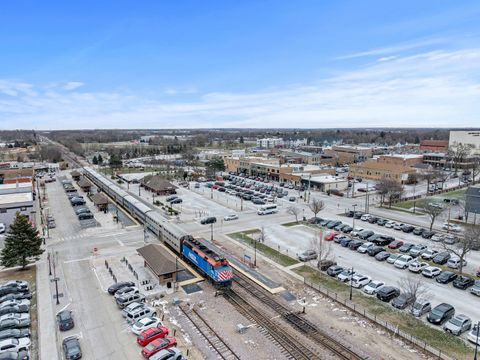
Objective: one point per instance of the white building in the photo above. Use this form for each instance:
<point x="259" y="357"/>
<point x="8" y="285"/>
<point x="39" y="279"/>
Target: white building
<point x="269" y="143"/>
<point x="296" y="143"/>
<point x="238" y="153"/>
<point x="466" y="138"/>
<point x="10" y="204"/>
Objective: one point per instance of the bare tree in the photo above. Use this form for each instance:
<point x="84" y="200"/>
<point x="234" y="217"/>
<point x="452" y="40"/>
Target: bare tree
<point x="414" y="287"/>
<point x="433" y="211"/>
<point x="458" y="153"/>
<point x="470" y="241"/>
<point x="475" y="168"/>
<point x="262" y="236"/>
<point x="294" y="210"/>
<point x="316" y="205"/>
<point x="322" y="247"/>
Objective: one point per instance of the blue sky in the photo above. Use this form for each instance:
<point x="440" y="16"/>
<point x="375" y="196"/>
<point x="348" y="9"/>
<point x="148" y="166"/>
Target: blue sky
<point x="178" y="64"/>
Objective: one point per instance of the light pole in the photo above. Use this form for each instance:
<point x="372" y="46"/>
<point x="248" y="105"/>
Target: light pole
<point x="351" y="282"/>
<point x="211" y="231"/>
<point x="366" y="200"/>
<point x="353" y="218"/>
<point x="255" y="253"/>
<point x="414" y="200"/>
<point x="476" y="341"/>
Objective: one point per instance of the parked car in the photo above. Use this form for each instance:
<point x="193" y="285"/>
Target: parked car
<point x="330" y="236"/>
<point x="339" y="237"/>
<point x="345" y="242"/>
<point x="421" y="307"/>
<point x="403" y="301"/>
<point x="347" y="229"/>
<point x="325" y="264"/>
<point x="230" y="217"/>
<point x="427" y="234"/>
<point x="382" y="256"/>
<point x="441" y="258"/>
<point x="128" y="290"/>
<point x="418" y="231"/>
<point x="14" y="333"/>
<point x="14" y="309"/>
<point x="157" y="345"/>
<point x="387" y="293"/>
<point x="451" y="227"/>
<point x="403" y="261"/>
<point x="146" y="323"/>
<point x="395" y="244"/>
<point x="437" y="238"/>
<point x="355" y="244"/>
<point x="406" y="247"/>
<point x="151" y="333"/>
<point x="382" y="222"/>
<point x="13" y="344"/>
<point x="463" y="282"/>
<point x="458" y="324"/>
<point x="334" y="270"/>
<point x="454" y="263"/>
<point x="14" y="323"/>
<point x="393" y="257"/>
<point x="445" y="277"/>
<point x="408" y="228"/>
<point x="118" y="285"/>
<point x="364" y="247"/>
<point x="346" y="275"/>
<point x="307" y="255"/>
<point x="390" y="224"/>
<point x="417" y="250"/>
<point x="65" y="320"/>
<point x="474" y="335"/>
<point x="208" y="220"/>
<point x="475" y="289"/>
<point x="372" y="287"/>
<point x="429" y="254"/>
<point x="441" y="313"/>
<point x="417" y="266"/>
<point x="375" y="250"/>
<point x="359" y="281"/>
<point x="171" y="354"/>
<point x="71" y="348"/>
<point x="356" y="231"/>
<point x="365" y="234"/>
<point x="85" y="216"/>
<point x="431" y="271"/>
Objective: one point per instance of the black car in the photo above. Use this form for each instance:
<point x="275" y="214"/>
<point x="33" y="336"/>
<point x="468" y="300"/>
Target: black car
<point x="71" y="348"/>
<point x="405" y="248"/>
<point x="333" y="223"/>
<point x="382" y="222"/>
<point x="383" y="240"/>
<point x="347" y="229"/>
<point x="418" y="231"/>
<point x="441" y="258"/>
<point x="349" y="213"/>
<point x="326" y="264"/>
<point x="117" y="286"/>
<point x="441" y="313"/>
<point x="382" y="256"/>
<point x="358" y="214"/>
<point x="334" y="270"/>
<point x="85" y="216"/>
<point x="315" y="220"/>
<point x="208" y="220"/>
<point x="77" y="202"/>
<point x="387" y="293"/>
<point x="365" y="234"/>
<point x="428" y="234"/>
<point x="463" y="282"/>
<point x="355" y="244"/>
<point x="324" y="222"/>
<point x="408" y="228"/>
<point x="82" y="210"/>
<point x="14" y="309"/>
<point x="373" y="238"/>
<point x="373" y="220"/>
<point x="14" y="333"/>
<point x="340" y="227"/>
<point x="402" y="301"/>
<point x="65" y="320"/>
<point x="374" y="250"/>
<point x="445" y="277"/>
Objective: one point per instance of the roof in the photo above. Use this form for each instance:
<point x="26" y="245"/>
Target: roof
<point x="99" y="199"/>
<point x="434" y="143"/>
<point x="84" y="183"/>
<point x="372" y="164"/>
<point x="159" y="260"/>
<point x="325" y="179"/>
<point x="16" y="198"/>
<point x="157" y="183"/>
<point x="75" y="173"/>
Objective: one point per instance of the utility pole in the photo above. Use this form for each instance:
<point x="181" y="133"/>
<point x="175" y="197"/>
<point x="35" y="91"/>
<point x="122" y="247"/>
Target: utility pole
<point x="255" y="253"/>
<point x="476" y="342"/>
<point x="353" y="218"/>
<point x="211" y="231"/>
<point x="366" y="200"/>
<point x="351" y="282"/>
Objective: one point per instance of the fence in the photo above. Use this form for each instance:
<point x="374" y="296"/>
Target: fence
<point x="359" y="310"/>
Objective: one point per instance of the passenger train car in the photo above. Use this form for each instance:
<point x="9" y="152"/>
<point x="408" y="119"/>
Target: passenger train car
<point x="194" y="251"/>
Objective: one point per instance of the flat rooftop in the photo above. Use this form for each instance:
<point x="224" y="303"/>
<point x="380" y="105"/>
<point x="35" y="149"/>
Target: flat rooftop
<point x="15" y="198"/>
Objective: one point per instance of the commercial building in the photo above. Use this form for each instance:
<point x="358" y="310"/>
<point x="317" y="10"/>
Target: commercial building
<point x="301" y="157"/>
<point x="471" y="138"/>
<point x="396" y="167"/>
<point x="12" y="176"/>
<point x="472" y="201"/>
<point x="11" y="203"/>
<point x="163" y="266"/>
<point x="269" y="143"/>
<point x="434" y="145"/>
<point x="325" y="182"/>
<point x="338" y="155"/>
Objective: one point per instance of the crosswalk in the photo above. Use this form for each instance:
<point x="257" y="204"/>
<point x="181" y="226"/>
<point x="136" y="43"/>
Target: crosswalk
<point x="72" y="237"/>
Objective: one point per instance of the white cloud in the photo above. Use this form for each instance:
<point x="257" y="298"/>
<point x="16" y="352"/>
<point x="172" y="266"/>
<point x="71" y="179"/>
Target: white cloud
<point x="432" y="89"/>
<point x="72" y="85"/>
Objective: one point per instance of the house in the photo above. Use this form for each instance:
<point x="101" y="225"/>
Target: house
<point x="158" y="185"/>
<point x="163" y="266"/>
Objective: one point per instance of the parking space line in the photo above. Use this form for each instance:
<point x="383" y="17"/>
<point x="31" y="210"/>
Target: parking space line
<point x="120" y="243"/>
<point x="98" y="278"/>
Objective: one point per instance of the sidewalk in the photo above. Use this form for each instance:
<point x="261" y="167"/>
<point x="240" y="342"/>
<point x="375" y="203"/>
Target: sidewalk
<point x="47" y="343"/>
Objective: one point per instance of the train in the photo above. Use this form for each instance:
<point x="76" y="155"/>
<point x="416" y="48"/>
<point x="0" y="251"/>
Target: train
<point x="195" y="251"/>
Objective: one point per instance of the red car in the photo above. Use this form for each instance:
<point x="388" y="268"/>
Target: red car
<point x="330" y="236"/>
<point x="150" y="334"/>
<point x="395" y="244"/>
<point x="157" y="345"/>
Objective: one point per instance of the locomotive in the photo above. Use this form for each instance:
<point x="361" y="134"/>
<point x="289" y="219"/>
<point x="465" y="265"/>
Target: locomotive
<point x="195" y="251"/>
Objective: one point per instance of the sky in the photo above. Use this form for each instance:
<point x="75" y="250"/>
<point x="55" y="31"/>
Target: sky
<point x="239" y="64"/>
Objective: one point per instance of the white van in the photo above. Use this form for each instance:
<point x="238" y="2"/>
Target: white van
<point x="267" y="209"/>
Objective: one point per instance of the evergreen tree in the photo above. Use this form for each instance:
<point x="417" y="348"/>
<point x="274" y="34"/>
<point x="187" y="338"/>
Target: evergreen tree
<point x="22" y="244"/>
<point x="100" y="159"/>
<point x="95" y="160"/>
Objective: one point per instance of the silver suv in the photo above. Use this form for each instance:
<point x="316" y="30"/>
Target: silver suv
<point x="140" y="313"/>
<point x="307" y="255"/>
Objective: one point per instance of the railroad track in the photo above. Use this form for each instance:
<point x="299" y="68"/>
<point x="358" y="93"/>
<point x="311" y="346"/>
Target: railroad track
<point x="303" y="325"/>
<point x="217" y="343"/>
<point x="291" y="345"/>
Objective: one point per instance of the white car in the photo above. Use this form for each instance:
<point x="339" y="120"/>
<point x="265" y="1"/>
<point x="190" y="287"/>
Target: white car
<point x="452" y="227"/>
<point x="346" y="275"/>
<point x="390" y="224"/>
<point x="474" y="334"/>
<point x="403" y="261"/>
<point x="145" y="323"/>
<point x="372" y="287"/>
<point x="429" y="254"/>
<point x="417" y="266"/>
<point x="437" y="237"/>
<point x="365" y="217"/>
<point x="393" y="257"/>
<point x="2" y="228"/>
<point x="359" y="281"/>
<point x="398" y="226"/>
<point x="431" y="271"/>
<point x="14" y="302"/>
<point x="12" y="344"/>
<point x="454" y="263"/>
<point x="230" y="217"/>
<point x="364" y="248"/>
<point x="356" y="231"/>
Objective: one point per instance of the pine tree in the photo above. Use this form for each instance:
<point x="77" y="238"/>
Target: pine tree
<point x="100" y="159"/>
<point x="22" y="244"/>
<point x="95" y="160"/>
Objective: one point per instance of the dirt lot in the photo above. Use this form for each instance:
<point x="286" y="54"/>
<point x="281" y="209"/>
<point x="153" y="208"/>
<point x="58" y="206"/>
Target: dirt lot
<point x="30" y="275"/>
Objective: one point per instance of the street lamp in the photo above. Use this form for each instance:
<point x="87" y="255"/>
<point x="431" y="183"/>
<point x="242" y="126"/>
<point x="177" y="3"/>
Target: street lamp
<point x="476" y="341"/>
<point x="351" y="283"/>
<point x="353" y="218"/>
<point x="211" y="231"/>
